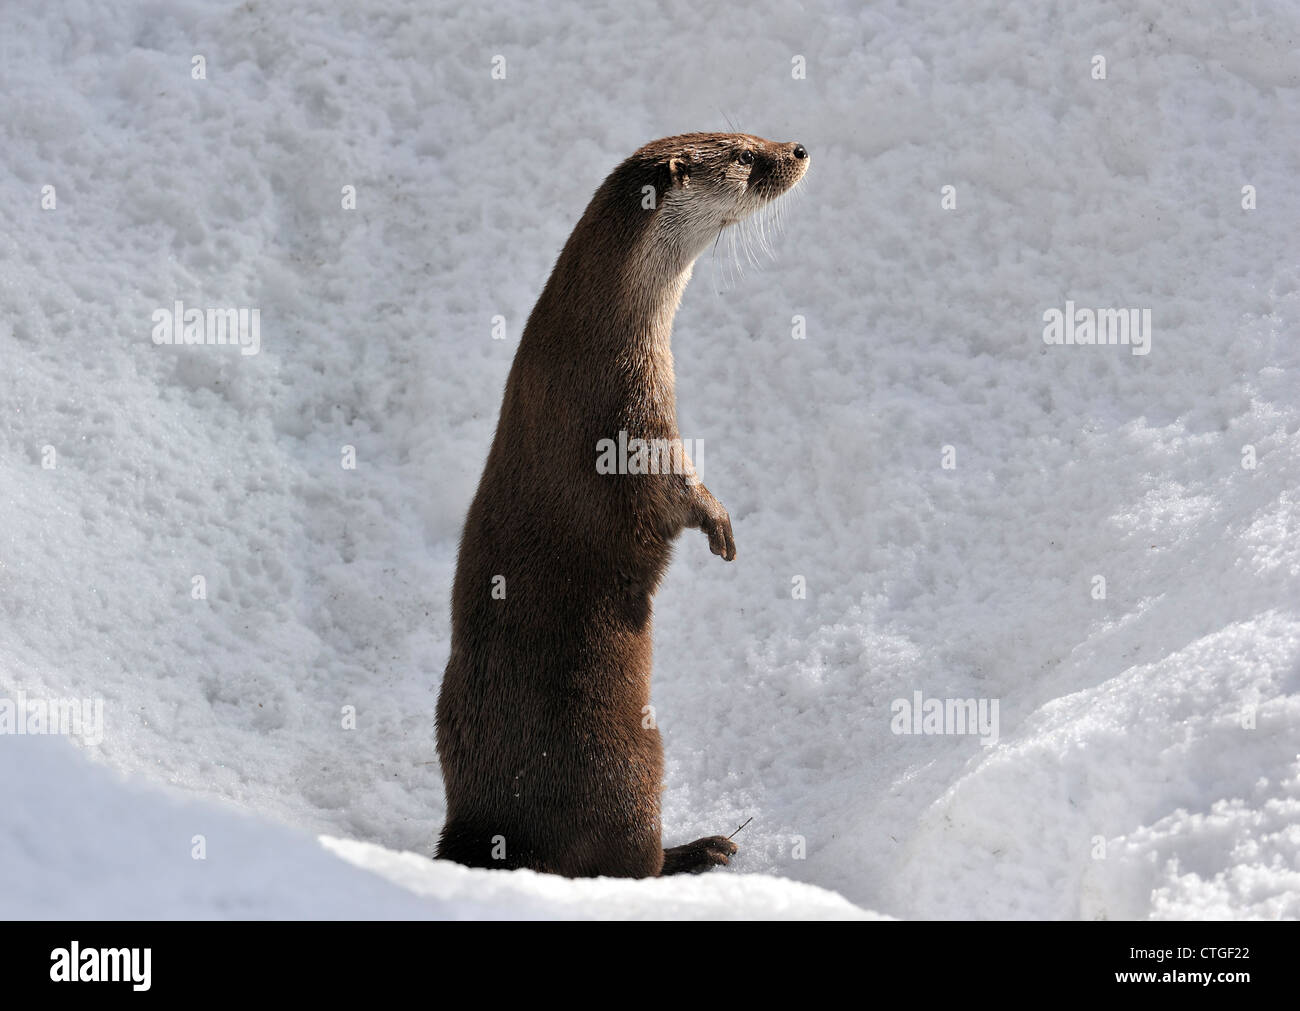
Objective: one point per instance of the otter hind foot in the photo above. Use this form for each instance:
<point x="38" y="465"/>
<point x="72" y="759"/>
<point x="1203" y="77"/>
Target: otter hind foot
<point x="696" y="857"/>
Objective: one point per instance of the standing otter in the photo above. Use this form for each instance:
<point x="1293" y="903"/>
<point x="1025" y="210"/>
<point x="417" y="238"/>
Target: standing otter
<point x="547" y="761"/>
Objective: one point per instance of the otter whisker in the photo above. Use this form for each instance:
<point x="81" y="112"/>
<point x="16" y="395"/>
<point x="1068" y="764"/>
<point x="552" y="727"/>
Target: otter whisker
<point x="752" y="239"/>
<point x="765" y="236"/>
<point x="735" y="254"/>
<point x="713" y="260"/>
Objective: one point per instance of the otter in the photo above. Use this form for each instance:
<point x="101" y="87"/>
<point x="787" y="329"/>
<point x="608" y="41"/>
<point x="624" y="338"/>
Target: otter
<point x="548" y="758"/>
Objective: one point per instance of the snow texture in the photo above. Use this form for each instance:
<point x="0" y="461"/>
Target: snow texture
<point x="1146" y="757"/>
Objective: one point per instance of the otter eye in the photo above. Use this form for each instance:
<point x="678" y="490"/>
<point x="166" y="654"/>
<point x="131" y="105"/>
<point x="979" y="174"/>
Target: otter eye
<point x="745" y="157"/>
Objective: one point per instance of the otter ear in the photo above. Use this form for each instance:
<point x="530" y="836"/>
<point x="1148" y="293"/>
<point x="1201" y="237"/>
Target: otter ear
<point x="679" y="171"/>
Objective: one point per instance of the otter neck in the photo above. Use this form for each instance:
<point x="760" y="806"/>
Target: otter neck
<point x="621" y="296"/>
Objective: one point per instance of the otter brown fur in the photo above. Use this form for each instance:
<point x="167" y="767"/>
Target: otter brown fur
<point x="547" y="756"/>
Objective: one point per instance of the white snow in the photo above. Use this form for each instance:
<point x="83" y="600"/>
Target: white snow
<point x="81" y="842"/>
<point x="1147" y="759"/>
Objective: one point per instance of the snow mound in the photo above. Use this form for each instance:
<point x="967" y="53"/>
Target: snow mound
<point x="1113" y="555"/>
<point x="140" y="852"/>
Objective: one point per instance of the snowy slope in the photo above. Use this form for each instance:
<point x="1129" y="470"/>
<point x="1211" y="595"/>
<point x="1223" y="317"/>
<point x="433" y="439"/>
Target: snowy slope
<point x="1146" y="762"/>
<point x="80" y="842"/>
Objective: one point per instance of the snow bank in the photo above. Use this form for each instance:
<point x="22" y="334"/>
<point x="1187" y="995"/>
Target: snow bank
<point x="82" y="842"/>
<point x="1156" y="726"/>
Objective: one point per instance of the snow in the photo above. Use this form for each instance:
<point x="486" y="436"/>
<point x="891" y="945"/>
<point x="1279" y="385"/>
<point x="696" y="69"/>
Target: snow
<point x="1146" y="763"/>
<point x="82" y="842"/>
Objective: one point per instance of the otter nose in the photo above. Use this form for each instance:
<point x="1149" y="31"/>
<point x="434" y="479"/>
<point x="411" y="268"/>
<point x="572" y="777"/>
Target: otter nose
<point x="800" y="152"/>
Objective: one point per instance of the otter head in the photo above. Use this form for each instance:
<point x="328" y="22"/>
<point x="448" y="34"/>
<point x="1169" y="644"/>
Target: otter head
<point x="668" y="202"/>
<point x="731" y="175"/>
<point x="718" y="179"/>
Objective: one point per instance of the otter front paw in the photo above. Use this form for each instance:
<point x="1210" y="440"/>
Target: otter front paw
<point x="716" y="524"/>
